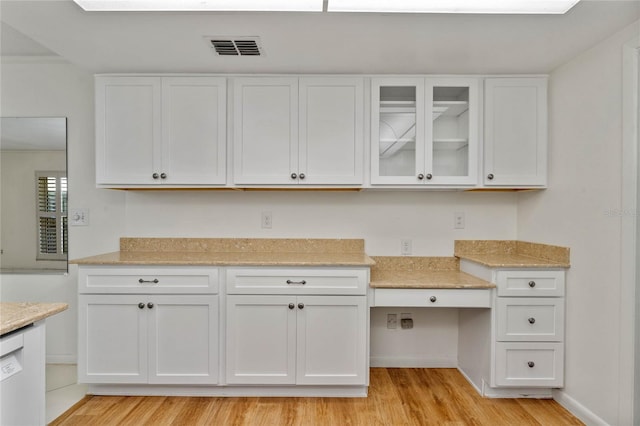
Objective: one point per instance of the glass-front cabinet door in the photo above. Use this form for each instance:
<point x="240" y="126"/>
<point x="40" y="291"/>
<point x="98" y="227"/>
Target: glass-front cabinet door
<point x="452" y="131"/>
<point x="397" y="130"/>
<point x="424" y="131"/>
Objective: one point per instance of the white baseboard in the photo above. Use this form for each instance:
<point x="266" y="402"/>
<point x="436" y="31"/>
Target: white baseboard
<point x="61" y="359"/>
<point x="580" y="411"/>
<point x="411" y="362"/>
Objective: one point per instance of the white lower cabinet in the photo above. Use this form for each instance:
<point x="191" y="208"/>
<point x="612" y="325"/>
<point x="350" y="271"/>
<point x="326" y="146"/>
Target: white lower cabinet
<point x="146" y="329"/>
<point x="304" y="340"/>
<point x="156" y="339"/>
<point x="517" y="349"/>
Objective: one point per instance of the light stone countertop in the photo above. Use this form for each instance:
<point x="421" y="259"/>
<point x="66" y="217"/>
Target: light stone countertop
<point x="14" y="315"/>
<point x="422" y="272"/>
<point x="512" y="254"/>
<point x="227" y="259"/>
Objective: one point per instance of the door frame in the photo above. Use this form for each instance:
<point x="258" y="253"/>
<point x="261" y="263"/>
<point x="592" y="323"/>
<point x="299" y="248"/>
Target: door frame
<point x="629" y="320"/>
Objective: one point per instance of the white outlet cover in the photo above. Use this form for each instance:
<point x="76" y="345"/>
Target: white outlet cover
<point x="79" y="217"/>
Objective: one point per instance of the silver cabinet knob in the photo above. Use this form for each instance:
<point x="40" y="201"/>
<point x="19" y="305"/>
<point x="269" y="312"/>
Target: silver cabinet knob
<point x="300" y="305"/>
<point x="433" y="299"/>
<point x="429" y="176"/>
<point x="531" y="364"/>
<point x="155" y="176"/>
<point x="420" y="176"/>
<point x="163" y="175"/>
<point x="532" y="320"/>
<point x="490" y="176"/>
<point x="302" y="176"/>
<point x="294" y="176"/>
<point x="141" y="305"/>
<point x="532" y="284"/>
<point x="150" y="305"/>
<point x="291" y="306"/>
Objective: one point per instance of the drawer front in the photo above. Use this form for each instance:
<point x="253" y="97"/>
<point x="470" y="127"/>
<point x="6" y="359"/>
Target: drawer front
<point x="530" y="319"/>
<point x="541" y="283"/>
<point x="353" y="281"/>
<point x="148" y="280"/>
<point x="443" y="298"/>
<point x="529" y="364"/>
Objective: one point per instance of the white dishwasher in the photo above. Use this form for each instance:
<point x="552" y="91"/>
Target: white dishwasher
<point x="22" y="376"/>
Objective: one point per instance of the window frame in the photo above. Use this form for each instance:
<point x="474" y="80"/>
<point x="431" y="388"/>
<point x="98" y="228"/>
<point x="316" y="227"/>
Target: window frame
<point x="59" y="215"/>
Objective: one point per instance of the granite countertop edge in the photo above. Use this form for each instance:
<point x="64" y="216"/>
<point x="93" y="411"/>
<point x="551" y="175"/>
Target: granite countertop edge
<point x="511" y="261"/>
<point x="434" y="279"/>
<point x="226" y="259"/>
<point x="15" y="315"/>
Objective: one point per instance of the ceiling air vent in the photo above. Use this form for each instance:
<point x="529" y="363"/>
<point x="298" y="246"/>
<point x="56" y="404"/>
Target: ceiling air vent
<point x="236" y="46"/>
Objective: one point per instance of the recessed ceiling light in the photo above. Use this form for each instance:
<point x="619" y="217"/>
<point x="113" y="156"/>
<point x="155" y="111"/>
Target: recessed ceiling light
<point x="201" y="5"/>
<point x="453" y="6"/>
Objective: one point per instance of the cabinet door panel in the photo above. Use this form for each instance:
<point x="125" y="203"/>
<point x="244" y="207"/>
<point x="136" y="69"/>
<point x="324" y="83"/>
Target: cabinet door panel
<point x="332" y="340"/>
<point x="261" y="333"/>
<point x="451" y="126"/>
<point x="127" y="129"/>
<point x="194" y="130"/>
<point x="265" y="130"/>
<point x="113" y="330"/>
<point x="397" y="131"/>
<point x="183" y="339"/>
<point x="331" y="130"/>
<point x="515" y="132"/>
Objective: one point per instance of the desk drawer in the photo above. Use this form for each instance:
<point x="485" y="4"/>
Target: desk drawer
<point x="531" y="283"/>
<point x="334" y="281"/>
<point x="148" y="280"/>
<point x="530" y="319"/>
<point x="443" y="298"/>
<point x="529" y="364"/>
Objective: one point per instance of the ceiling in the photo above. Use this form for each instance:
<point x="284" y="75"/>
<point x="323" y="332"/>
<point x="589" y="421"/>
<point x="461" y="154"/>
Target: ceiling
<point x="309" y="42"/>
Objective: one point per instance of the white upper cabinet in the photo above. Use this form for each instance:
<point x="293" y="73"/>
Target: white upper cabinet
<point x="424" y="131"/>
<point x="128" y="129"/>
<point x="265" y="130"/>
<point x="515" y="143"/>
<point x="290" y="131"/>
<point x="331" y="131"/>
<point x="160" y="130"/>
<point x="194" y="130"/>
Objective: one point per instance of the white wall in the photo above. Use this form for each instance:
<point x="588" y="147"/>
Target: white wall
<point x="579" y="210"/>
<point x="58" y="89"/>
<point x="19" y="234"/>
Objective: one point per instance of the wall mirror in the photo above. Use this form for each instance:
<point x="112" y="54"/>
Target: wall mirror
<point x="33" y="188"/>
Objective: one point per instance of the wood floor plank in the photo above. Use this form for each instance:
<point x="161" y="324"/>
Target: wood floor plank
<point x="407" y="396"/>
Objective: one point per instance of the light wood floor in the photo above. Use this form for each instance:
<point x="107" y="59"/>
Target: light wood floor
<point x="410" y="396"/>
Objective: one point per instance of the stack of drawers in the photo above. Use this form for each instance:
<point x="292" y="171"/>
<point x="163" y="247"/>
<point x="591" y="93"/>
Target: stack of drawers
<point x="529" y="328"/>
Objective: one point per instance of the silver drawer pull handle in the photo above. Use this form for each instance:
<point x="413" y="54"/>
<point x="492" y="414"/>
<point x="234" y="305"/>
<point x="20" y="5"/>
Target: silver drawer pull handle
<point x="155" y="281"/>
<point x="532" y="284"/>
<point x="531" y="364"/>
<point x="532" y="320"/>
<point x="433" y="299"/>
<point x="303" y="282"/>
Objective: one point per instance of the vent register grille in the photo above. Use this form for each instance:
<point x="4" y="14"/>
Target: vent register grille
<point x="236" y="47"/>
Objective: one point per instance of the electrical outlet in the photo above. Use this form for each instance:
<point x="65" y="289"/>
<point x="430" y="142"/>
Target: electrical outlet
<point x="392" y="321"/>
<point x="405" y="247"/>
<point x="406" y="323"/>
<point x="458" y="220"/>
<point x="79" y="217"/>
<point x="267" y="220"/>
